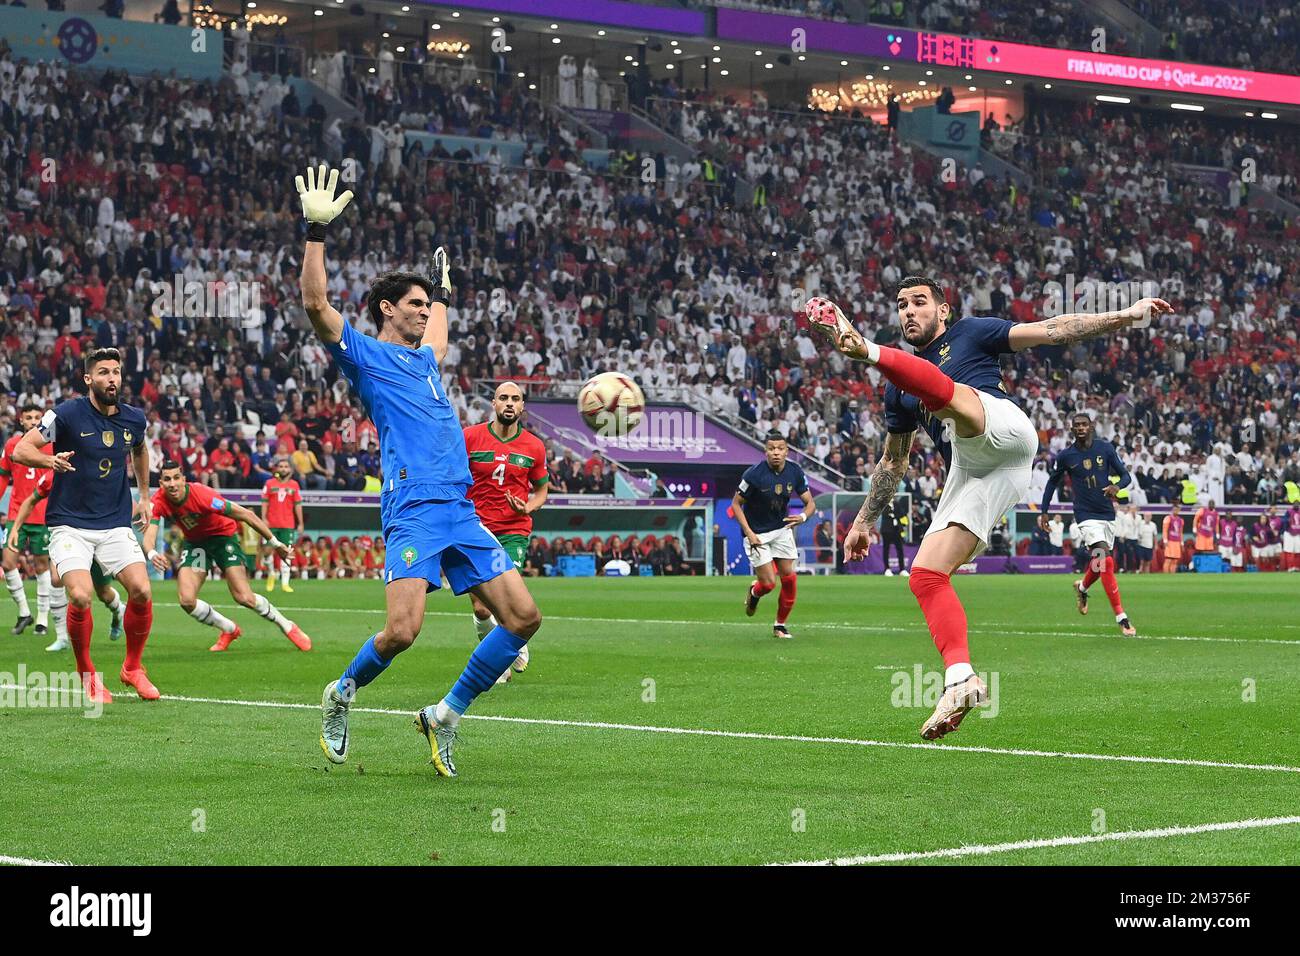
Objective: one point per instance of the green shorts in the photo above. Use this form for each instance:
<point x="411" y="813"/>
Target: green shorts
<point x="287" y="535"/>
<point x="223" y="552"/>
<point x="34" y="538"/>
<point x="515" y="545"/>
<point x="98" y="576"/>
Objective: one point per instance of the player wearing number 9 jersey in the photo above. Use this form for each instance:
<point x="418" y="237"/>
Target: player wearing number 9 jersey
<point x="429" y="525"/>
<point x="89" y="512"/>
<point x="508" y="465"/>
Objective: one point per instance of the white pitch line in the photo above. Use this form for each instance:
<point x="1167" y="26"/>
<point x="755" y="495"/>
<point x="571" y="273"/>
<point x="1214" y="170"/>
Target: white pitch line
<point x="991" y="848"/>
<point x="810" y="625"/>
<point x="23" y="861"/>
<point x="749" y="735"/>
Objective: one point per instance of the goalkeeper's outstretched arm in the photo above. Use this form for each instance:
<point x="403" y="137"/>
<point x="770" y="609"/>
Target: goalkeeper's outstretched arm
<point x="435" y="330"/>
<point x="319" y="208"/>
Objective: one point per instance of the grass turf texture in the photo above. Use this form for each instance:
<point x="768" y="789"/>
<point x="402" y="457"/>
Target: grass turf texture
<point x="126" y="788"/>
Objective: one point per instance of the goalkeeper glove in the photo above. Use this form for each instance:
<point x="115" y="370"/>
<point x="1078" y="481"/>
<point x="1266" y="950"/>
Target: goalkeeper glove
<point x="442" y="290"/>
<point x="319" y="207"/>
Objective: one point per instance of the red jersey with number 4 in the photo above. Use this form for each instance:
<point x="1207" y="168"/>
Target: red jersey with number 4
<point x="280" y="497"/>
<point x="22" y="481"/>
<point x="200" y="514"/>
<point x="516" y="466"/>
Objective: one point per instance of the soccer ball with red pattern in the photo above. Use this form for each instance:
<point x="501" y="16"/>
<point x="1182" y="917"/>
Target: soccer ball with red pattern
<point x="611" y="404"/>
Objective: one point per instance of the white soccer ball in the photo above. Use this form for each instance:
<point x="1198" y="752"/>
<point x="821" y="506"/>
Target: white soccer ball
<point x="611" y="404"/>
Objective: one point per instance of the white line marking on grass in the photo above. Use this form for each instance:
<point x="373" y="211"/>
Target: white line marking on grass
<point x="23" y="861"/>
<point x="982" y="629"/>
<point x="749" y="735"/>
<point x="990" y="848"/>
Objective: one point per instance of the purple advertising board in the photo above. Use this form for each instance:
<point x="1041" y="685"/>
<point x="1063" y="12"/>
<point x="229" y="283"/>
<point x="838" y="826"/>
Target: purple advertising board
<point x="639" y="16"/>
<point x="668" y="434"/>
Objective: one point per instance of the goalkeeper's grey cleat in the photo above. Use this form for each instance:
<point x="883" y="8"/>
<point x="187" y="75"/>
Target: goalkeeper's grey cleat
<point x="334" y="723"/>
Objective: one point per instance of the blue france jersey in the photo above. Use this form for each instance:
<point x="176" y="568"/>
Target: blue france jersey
<point x="967" y="353"/>
<point x="421" y="447"/>
<point x="1089" y="470"/>
<point x="767" y="494"/>
<point x="96" y="496"/>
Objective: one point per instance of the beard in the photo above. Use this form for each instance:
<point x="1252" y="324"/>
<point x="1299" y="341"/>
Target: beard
<point x="103" y="396"/>
<point x="923" y="338"/>
<point x="507" y="418"/>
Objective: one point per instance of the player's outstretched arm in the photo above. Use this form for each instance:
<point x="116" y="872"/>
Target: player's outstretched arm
<point x="250" y="518"/>
<point x="319" y="208"/>
<point x="435" y="331"/>
<point x="1077" y="326"/>
<point x="889" y="472"/>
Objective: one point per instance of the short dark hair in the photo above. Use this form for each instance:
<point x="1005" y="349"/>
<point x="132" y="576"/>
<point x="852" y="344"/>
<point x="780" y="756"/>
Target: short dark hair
<point x="168" y="465"/>
<point x="1081" y="414"/>
<point x="932" y="284"/>
<point x="773" y="435"/>
<point x="31" y="407"/>
<point x="392" y="287"/>
<point x="95" y="356"/>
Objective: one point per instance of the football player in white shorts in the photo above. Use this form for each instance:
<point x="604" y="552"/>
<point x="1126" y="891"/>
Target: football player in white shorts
<point x="953" y="389"/>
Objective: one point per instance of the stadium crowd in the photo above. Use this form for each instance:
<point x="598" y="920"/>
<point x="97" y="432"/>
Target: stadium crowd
<point x="562" y="271"/>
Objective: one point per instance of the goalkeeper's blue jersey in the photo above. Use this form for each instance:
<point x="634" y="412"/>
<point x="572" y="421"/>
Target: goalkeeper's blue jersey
<point x="421" y="447"/>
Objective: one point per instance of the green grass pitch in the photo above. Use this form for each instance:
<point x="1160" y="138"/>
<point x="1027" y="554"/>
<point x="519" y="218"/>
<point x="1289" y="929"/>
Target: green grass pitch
<point x="1211" y="680"/>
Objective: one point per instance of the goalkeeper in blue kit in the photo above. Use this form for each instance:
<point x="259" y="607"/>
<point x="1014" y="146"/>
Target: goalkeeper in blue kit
<point x="429" y="525"/>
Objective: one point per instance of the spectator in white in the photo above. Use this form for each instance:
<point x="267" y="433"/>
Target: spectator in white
<point x="1215" y="472"/>
<point x="736" y="357"/>
<point x="1056" y="533"/>
<point x="590" y="86"/>
<point x="385" y="65"/>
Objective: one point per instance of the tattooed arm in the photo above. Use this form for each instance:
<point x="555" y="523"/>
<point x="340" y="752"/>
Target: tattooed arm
<point x="884" y="485"/>
<point x="1067" y="329"/>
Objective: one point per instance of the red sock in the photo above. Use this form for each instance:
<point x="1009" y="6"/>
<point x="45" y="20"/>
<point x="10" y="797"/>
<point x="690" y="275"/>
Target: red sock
<point x="917" y="376"/>
<point x="943" y="613"/>
<point x="137" y="621"/>
<point x="760" y="588"/>
<point x="1092" y="574"/>
<point x="80" y="626"/>
<point x="1111" y="585"/>
<point x="789" y="585"/>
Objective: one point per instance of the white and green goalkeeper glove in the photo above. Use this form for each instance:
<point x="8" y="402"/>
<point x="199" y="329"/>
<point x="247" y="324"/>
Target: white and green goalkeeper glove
<point x="319" y="207"/>
<point x="441" y="276"/>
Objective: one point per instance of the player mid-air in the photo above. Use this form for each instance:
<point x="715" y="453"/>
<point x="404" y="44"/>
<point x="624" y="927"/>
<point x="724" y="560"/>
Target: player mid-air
<point x="952" y="387"/>
<point x="101" y="582"/>
<point x="761" y="505"/>
<point x="89" y="512"/>
<point x="508" y="467"/>
<point x="34" y="537"/>
<point x="1090" y="462"/>
<point x="430" y="527"/>
<point x="282" y="512"/>
<point x="210" y="524"/>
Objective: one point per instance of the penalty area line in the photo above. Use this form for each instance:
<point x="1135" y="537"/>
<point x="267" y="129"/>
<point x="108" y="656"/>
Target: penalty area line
<point x="737" y="734"/>
<point x="989" y="849"/>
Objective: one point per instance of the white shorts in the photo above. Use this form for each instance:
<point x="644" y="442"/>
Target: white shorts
<point x="1095" y="531"/>
<point x="1290" y="542"/>
<point x="1225" y="552"/>
<point x="775" y="544"/>
<point x="990" y="473"/>
<point x="1238" y="559"/>
<point x="72" y="549"/>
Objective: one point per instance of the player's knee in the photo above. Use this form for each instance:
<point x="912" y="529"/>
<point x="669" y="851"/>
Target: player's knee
<point x="523" y="622"/>
<point x="188" y="604"/>
<point x="80" y="597"/>
<point x="139" y="593"/>
<point x="396" y="637"/>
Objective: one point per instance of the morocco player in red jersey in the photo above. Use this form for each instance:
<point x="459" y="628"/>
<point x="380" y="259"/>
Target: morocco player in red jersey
<point x="508" y="465"/>
<point x="210" y="524"/>
<point x="33" y="536"/>
<point x="282" y="512"/>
